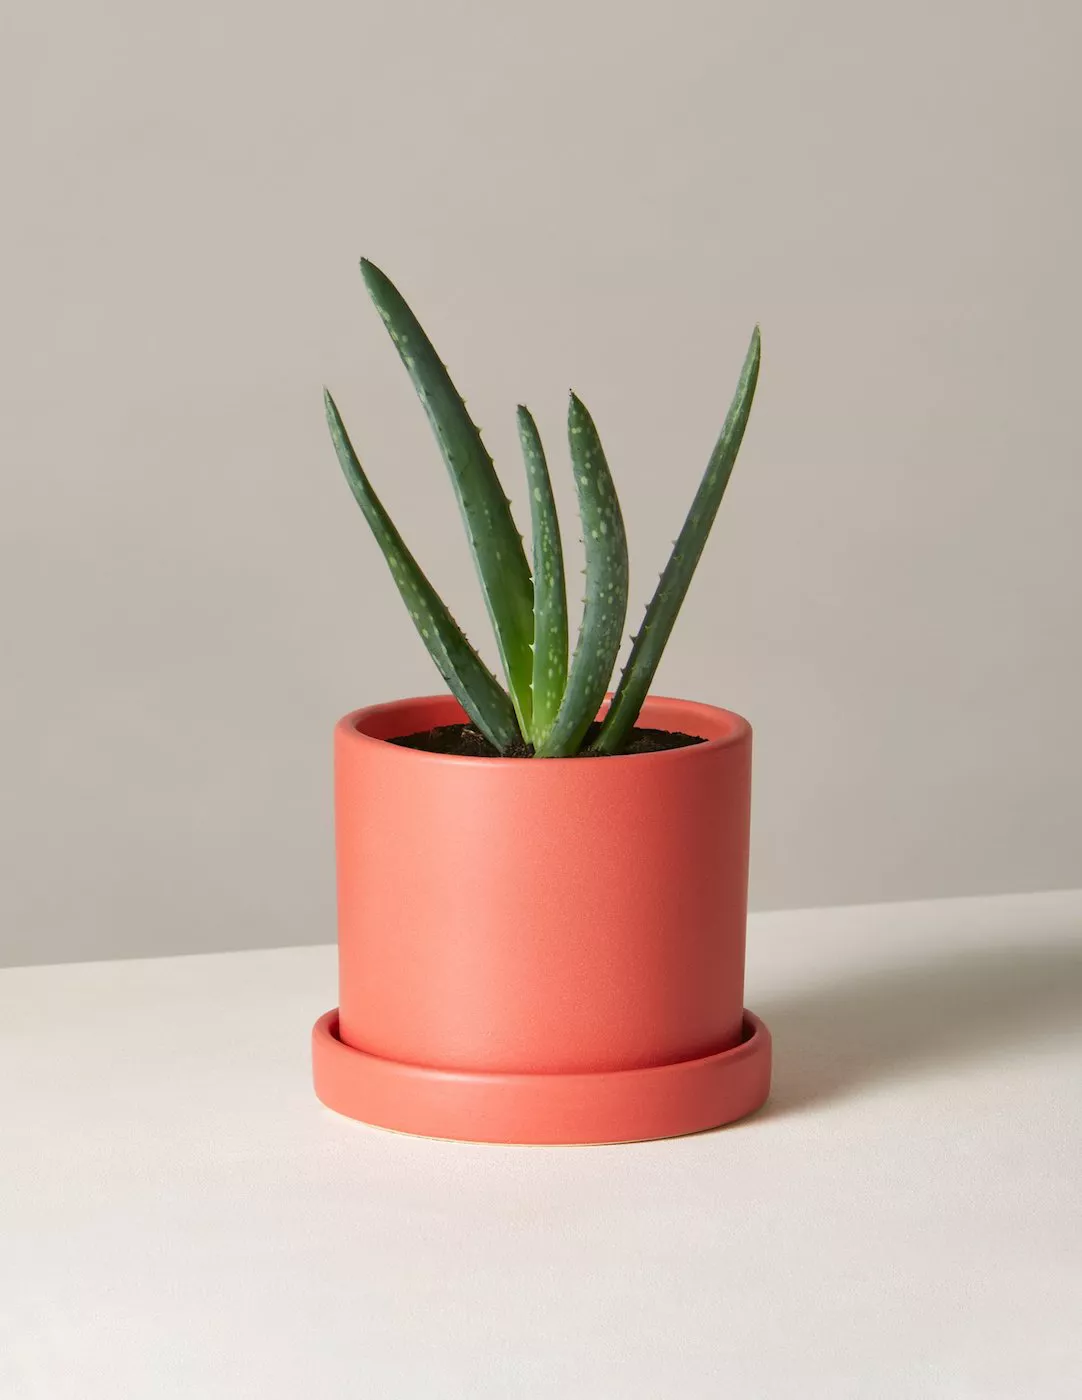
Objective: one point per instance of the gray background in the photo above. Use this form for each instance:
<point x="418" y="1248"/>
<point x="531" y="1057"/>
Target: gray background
<point x="604" y="196"/>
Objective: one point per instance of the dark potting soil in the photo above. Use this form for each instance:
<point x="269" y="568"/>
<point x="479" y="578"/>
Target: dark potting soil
<point x="466" y="741"/>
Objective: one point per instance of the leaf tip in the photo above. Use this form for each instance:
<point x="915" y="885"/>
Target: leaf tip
<point x="578" y="415"/>
<point x="376" y="281"/>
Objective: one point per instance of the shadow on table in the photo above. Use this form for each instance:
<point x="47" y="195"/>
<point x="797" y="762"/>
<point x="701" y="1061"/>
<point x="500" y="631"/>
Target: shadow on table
<point x="901" y="1023"/>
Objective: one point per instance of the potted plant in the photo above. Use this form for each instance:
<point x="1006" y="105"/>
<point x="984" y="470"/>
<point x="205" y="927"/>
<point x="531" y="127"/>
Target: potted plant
<point x="542" y="889"/>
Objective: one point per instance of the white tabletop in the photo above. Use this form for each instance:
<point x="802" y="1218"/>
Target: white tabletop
<point x="180" y="1218"/>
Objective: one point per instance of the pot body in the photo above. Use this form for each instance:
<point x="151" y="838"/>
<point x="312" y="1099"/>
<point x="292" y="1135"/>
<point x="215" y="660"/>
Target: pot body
<point x="541" y="916"/>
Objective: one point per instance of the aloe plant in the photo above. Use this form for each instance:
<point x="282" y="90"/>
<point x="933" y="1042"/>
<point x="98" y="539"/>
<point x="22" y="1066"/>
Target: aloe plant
<point x="549" y="705"/>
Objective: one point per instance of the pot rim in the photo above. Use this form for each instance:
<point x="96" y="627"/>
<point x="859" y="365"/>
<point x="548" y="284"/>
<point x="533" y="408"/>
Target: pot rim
<point x="735" y="730"/>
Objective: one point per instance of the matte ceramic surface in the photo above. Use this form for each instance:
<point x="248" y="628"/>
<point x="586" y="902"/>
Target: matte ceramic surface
<point x="614" y="1106"/>
<point x="519" y="937"/>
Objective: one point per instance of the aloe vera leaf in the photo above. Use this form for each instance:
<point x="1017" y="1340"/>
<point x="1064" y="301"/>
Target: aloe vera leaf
<point x="605" y="605"/>
<point x="664" y="606"/>
<point x="495" y="543"/>
<point x="469" y="679"/>
<point x="549" y="587"/>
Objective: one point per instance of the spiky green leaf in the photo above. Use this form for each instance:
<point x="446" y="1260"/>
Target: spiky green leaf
<point x="672" y="588"/>
<point x="496" y="545"/>
<point x="606" y="588"/>
<point x="549" y="587"/>
<point x="469" y="679"/>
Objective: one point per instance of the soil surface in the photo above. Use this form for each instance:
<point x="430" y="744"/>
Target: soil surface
<point x="466" y="741"/>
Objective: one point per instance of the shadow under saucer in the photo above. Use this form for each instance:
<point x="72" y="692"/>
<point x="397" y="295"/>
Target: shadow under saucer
<point x="902" y="1022"/>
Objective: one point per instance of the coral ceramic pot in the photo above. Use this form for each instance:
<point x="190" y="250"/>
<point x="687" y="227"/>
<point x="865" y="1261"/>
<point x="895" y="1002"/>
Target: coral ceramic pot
<point x="542" y="950"/>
